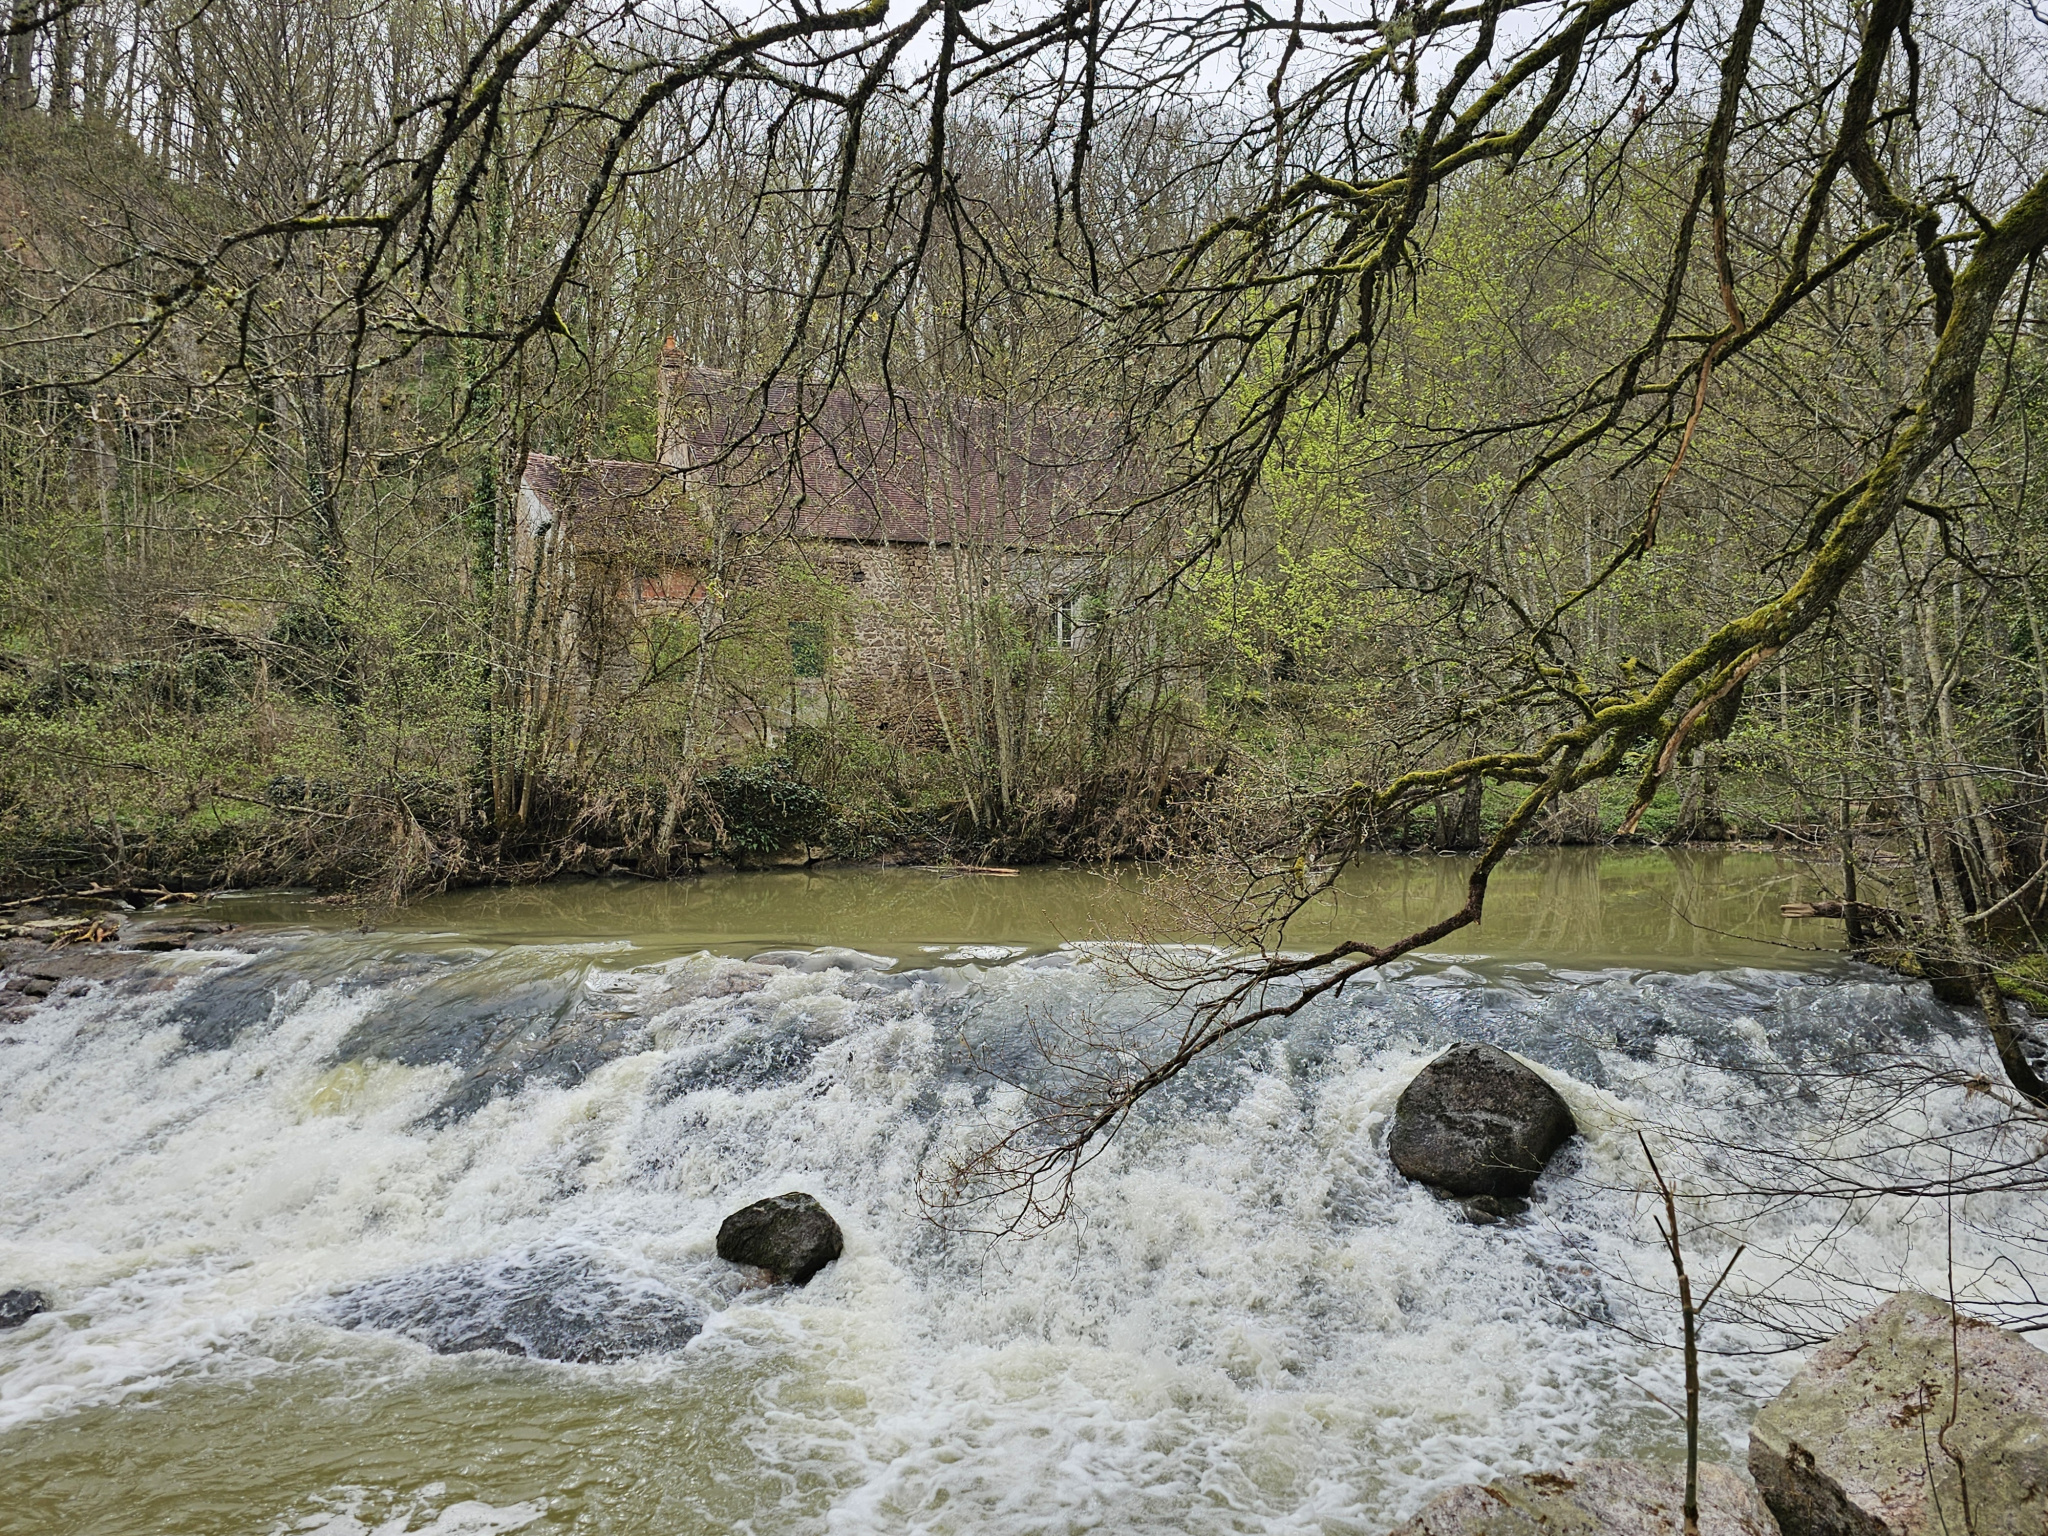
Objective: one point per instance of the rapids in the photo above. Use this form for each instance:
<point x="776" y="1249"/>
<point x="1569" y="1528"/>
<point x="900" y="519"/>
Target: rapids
<point x="280" y="1190"/>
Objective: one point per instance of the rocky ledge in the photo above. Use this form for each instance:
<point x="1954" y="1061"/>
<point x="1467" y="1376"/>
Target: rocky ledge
<point x="568" y="1306"/>
<point x="1618" y="1498"/>
<point x="58" y="948"/>
<point x="548" y="1306"/>
<point x="1915" y="1421"/>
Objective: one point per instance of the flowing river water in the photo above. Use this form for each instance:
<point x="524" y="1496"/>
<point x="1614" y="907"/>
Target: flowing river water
<point x="262" y="1187"/>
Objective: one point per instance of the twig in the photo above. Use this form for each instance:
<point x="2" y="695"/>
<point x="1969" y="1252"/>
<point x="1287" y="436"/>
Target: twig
<point x="1691" y="1315"/>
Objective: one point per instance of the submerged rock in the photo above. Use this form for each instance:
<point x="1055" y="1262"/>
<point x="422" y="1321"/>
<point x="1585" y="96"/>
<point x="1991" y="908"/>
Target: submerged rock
<point x="1477" y="1122"/>
<point x="791" y="1236"/>
<point x="18" y="1306"/>
<point x="229" y="1001"/>
<point x="828" y="958"/>
<point x="499" y="1030"/>
<point x="1860" y="1442"/>
<point x="548" y="1306"/>
<point x="77" y="963"/>
<point x="1489" y="1210"/>
<point x="749" y="1058"/>
<point x="1616" y="1498"/>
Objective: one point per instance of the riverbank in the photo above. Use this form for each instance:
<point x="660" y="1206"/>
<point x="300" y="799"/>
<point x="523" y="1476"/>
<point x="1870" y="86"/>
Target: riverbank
<point x="72" y="822"/>
<point x="1790" y="880"/>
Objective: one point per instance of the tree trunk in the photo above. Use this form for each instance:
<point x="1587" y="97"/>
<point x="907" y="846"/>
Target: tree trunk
<point x="63" y="65"/>
<point x="1464" y="827"/>
<point x="1699" y="811"/>
<point x="20" y="86"/>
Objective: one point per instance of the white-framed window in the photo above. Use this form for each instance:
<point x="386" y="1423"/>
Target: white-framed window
<point x="1073" y="616"/>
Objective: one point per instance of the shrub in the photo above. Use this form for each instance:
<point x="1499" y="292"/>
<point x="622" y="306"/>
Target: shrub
<point x="763" y="807"/>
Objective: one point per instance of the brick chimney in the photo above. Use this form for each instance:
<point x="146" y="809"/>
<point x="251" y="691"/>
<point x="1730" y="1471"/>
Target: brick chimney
<point x="671" y="437"/>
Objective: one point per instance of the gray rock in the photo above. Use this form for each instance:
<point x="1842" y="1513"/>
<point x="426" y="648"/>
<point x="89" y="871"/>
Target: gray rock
<point x="81" y="963"/>
<point x="18" y="1306"/>
<point x="791" y="1236"/>
<point x="229" y="1001"/>
<point x="1612" y="1498"/>
<point x="499" y="1032"/>
<point x="180" y="933"/>
<point x="1477" y="1122"/>
<point x="1489" y="1210"/>
<point x="1860" y="1444"/>
<point x="550" y="1306"/>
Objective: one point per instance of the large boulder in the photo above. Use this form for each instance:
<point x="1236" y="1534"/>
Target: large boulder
<point x="1860" y="1442"/>
<point x="18" y="1306"/>
<point x="791" y="1236"/>
<point x="1477" y="1122"/>
<point x="1610" y="1498"/>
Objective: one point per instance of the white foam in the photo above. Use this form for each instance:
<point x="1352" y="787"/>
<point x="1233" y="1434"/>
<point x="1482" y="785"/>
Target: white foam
<point x="466" y="1517"/>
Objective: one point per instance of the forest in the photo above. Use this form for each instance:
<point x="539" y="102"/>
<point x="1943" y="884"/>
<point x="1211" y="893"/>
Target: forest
<point x="1601" y="421"/>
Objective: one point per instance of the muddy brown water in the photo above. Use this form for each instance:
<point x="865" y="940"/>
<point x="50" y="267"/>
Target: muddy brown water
<point x="1678" y="907"/>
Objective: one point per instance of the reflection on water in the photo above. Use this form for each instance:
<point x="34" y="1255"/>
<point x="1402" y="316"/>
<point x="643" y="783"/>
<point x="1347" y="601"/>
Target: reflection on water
<point x="1654" y="907"/>
<point x="1649" y="907"/>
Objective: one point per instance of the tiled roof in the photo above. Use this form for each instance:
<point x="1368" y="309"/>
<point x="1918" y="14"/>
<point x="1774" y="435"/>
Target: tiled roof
<point x="618" y="509"/>
<point x="862" y="465"/>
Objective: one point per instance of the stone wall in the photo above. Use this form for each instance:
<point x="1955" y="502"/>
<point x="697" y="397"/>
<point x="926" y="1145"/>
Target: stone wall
<point x="907" y="620"/>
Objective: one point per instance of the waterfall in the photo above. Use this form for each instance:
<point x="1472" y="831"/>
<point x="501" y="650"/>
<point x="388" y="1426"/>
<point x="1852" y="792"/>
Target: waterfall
<point x="264" y="1185"/>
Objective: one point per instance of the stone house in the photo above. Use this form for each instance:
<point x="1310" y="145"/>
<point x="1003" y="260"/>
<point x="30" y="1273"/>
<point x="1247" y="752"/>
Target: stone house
<point x="936" y="535"/>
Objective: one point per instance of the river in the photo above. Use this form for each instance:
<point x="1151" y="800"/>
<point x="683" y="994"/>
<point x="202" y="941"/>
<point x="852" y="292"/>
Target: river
<point x="259" y="1189"/>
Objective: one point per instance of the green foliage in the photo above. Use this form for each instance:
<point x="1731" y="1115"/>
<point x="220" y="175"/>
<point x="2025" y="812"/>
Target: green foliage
<point x="764" y="808"/>
<point x="809" y="647"/>
<point x="2025" y="979"/>
<point x="207" y="664"/>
